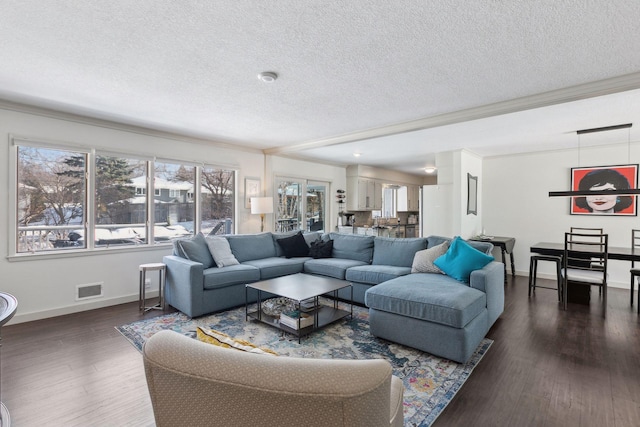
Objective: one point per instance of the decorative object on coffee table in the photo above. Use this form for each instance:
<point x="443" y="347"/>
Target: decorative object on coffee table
<point x="300" y="287"/>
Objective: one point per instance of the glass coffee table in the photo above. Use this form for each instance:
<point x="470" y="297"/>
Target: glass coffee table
<point x="301" y="288"/>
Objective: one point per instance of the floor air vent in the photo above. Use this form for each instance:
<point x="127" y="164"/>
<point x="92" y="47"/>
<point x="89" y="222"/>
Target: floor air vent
<point x="91" y="290"/>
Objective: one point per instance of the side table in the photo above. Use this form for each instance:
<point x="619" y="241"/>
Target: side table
<point x="506" y="245"/>
<point x="162" y="271"/>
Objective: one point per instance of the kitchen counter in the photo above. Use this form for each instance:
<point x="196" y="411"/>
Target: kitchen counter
<point x="382" y="231"/>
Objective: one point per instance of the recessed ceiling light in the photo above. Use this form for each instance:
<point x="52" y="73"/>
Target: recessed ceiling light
<point x="357" y="154"/>
<point x="430" y="169"/>
<point x="268" y="77"/>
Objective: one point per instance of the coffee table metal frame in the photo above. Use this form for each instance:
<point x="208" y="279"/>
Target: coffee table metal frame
<point x="301" y="287"/>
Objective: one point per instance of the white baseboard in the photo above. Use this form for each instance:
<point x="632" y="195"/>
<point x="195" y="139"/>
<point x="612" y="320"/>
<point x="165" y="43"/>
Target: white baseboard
<point x="76" y="308"/>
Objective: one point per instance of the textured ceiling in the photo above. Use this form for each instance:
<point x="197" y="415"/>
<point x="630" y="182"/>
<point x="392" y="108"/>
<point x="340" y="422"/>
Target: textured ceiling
<point x="441" y="75"/>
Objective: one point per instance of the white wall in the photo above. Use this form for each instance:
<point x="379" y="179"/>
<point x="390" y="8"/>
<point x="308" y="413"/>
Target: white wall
<point x="516" y="203"/>
<point x="443" y="211"/>
<point x="470" y="225"/>
<point x="47" y="287"/>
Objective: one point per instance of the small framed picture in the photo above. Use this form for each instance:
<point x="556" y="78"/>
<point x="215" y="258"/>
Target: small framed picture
<point x="472" y="195"/>
<point x="602" y="178"/>
<point x="251" y="189"/>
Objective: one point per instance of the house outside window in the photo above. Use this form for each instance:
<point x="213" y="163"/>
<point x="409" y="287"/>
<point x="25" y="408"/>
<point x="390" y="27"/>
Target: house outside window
<point x="120" y="210"/>
<point x="54" y="211"/>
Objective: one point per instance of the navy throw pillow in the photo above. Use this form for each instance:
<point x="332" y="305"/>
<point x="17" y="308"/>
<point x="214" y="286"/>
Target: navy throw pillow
<point x="321" y="249"/>
<point x="294" y="246"/>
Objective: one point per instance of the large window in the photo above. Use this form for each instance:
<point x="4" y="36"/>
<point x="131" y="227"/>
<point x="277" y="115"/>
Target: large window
<point x="301" y="205"/>
<point x="54" y="210"/>
<point x="174" y="213"/>
<point x="120" y="208"/>
<point x="217" y="204"/>
<point x="51" y="199"/>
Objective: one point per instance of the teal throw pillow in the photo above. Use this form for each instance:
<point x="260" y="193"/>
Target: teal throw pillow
<point x="196" y="249"/>
<point x="461" y="259"/>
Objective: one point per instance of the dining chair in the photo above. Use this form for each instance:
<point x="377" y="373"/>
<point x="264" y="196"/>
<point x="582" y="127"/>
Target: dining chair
<point x="589" y="230"/>
<point x="635" y="272"/>
<point x="585" y="262"/>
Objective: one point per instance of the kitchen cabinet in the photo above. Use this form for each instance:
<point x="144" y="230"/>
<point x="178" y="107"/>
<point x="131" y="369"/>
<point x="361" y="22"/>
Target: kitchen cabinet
<point x="409" y="198"/>
<point x="363" y="194"/>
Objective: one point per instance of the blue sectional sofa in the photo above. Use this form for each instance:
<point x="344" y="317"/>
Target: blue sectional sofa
<point x="429" y="311"/>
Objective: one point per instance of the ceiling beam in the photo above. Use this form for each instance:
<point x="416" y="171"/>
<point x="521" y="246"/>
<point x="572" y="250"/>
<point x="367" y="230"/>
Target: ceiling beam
<point x="559" y="96"/>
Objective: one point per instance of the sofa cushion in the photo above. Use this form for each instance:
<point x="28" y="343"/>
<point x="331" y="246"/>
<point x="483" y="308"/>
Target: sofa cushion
<point x="278" y="266"/>
<point x="429" y="297"/>
<point x="352" y="246"/>
<point x="195" y="249"/>
<point x="423" y="260"/>
<point x="221" y="251"/>
<point x="294" y="246"/>
<point x="484" y="247"/>
<point x="247" y="247"/>
<point x="374" y="274"/>
<point x="332" y="267"/>
<point x="215" y="278"/>
<point x="312" y="236"/>
<point x="461" y="259"/>
<point x="396" y="252"/>
<point x="321" y="249"/>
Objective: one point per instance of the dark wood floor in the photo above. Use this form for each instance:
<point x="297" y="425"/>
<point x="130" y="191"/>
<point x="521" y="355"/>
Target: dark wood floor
<point x="547" y="367"/>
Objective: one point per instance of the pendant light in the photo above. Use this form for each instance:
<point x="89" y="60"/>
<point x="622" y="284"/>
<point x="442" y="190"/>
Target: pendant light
<point x="628" y="192"/>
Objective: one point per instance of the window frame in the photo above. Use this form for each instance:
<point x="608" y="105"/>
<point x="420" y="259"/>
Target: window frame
<point x="89" y="199"/>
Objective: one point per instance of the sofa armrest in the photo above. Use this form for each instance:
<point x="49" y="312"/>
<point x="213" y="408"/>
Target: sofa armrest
<point x="490" y="280"/>
<point x="184" y="284"/>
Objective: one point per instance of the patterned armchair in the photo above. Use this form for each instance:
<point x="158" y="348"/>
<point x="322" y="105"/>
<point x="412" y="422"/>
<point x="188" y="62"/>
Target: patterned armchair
<point x="192" y="383"/>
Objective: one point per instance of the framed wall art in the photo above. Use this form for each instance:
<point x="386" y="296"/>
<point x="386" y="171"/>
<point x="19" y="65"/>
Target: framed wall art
<point x="251" y="189"/>
<point x="472" y="195"/>
<point x="602" y="178"/>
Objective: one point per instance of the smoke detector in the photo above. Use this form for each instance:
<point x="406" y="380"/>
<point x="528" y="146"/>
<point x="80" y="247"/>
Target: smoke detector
<point x="268" y="77"/>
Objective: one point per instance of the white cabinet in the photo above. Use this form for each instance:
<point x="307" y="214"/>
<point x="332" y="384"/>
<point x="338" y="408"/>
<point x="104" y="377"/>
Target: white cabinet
<point x="409" y="198"/>
<point x="363" y="194"/>
<point x="377" y="195"/>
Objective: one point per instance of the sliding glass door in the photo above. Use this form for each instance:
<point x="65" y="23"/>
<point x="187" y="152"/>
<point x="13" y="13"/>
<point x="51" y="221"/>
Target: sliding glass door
<point x="301" y="204"/>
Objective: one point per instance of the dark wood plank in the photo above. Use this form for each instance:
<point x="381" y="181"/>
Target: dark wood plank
<point x="555" y="368"/>
<point x="547" y="367"/>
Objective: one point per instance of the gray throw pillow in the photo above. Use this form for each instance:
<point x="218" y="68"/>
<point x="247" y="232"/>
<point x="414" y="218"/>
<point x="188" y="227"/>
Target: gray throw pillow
<point x="195" y="249"/>
<point x="423" y="260"/>
<point x="221" y="251"/>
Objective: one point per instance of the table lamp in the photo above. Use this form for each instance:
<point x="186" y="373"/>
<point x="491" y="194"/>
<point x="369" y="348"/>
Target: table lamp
<point x="261" y="205"/>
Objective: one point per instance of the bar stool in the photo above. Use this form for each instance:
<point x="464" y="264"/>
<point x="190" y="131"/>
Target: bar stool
<point x="533" y="272"/>
<point x="161" y="268"/>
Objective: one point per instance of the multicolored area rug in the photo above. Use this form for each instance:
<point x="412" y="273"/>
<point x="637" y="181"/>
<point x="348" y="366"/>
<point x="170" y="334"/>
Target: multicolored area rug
<point x="430" y="382"/>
